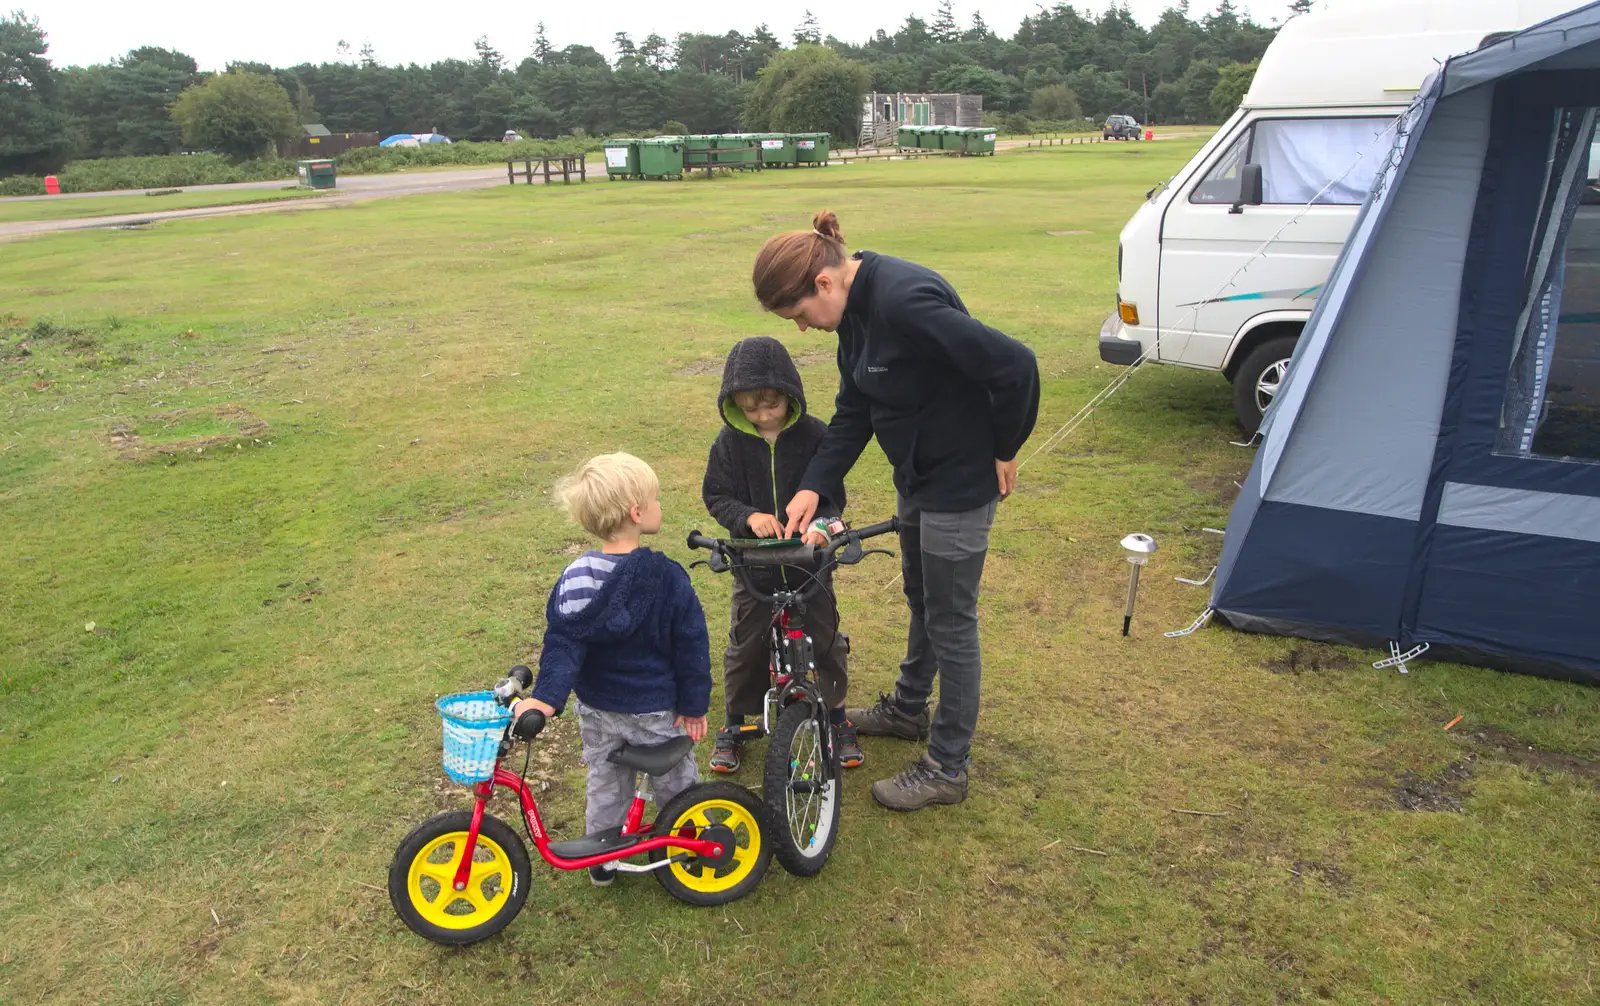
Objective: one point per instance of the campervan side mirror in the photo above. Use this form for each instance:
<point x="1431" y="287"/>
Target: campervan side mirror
<point x="1250" y="187"/>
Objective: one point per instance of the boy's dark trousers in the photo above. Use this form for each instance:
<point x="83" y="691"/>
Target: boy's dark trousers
<point x="745" y="676"/>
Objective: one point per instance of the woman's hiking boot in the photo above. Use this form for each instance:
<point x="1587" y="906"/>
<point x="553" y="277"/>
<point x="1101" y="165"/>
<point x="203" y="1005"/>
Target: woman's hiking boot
<point x="849" y="745"/>
<point x="923" y="782"/>
<point x="730" y="745"/>
<point x="887" y="719"/>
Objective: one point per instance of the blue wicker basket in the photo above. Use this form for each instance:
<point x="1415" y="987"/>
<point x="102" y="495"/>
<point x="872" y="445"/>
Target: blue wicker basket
<point x="474" y="723"/>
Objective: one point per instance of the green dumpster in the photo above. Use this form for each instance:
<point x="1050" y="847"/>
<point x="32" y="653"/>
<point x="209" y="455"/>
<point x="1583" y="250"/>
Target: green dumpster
<point x="953" y="139"/>
<point x="812" y="148"/>
<point x="737" y="150"/>
<point x="622" y="159"/>
<point x="908" y="136"/>
<point x="982" y="141"/>
<point x="930" y="137"/>
<point x="778" y="150"/>
<point x="699" y="150"/>
<point x="661" y="157"/>
<point x="317" y="175"/>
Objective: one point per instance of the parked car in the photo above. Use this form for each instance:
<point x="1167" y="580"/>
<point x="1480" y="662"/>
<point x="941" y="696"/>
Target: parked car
<point x="1121" y="127"/>
<point x="511" y="136"/>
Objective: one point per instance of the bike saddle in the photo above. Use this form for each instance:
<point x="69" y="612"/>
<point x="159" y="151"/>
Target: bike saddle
<point x="653" y="759"/>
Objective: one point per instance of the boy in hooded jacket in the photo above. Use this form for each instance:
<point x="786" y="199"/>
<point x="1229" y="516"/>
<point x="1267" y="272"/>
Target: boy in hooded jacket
<point x="625" y="631"/>
<point x="756" y="464"/>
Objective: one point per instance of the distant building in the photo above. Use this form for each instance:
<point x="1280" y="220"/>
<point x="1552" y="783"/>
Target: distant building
<point x="317" y="141"/>
<point x="882" y="114"/>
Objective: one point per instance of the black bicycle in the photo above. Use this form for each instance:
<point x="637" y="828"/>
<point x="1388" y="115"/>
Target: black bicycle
<point x="802" y="782"/>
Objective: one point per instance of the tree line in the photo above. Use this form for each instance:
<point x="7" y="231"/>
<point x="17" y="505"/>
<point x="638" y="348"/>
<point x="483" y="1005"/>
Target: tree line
<point x="1061" y="64"/>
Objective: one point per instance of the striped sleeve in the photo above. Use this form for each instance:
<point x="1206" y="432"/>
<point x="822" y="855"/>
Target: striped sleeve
<point x="580" y="583"/>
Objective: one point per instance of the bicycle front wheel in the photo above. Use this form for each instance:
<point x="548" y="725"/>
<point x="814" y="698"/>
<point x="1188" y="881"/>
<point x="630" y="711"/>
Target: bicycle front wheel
<point x="422" y="875"/>
<point x="802" y="789"/>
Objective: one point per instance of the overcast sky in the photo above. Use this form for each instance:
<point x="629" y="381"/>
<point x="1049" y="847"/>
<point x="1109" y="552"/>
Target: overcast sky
<point x="403" y="31"/>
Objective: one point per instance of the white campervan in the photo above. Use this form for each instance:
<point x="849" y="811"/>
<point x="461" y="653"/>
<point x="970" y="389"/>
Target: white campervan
<point x="1220" y="268"/>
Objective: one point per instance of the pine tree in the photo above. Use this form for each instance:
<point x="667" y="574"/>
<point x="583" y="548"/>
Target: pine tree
<point x="369" y="55"/>
<point x="626" y="51"/>
<point x="1299" y="7"/>
<point x="980" y="28"/>
<point x="944" y="23"/>
<point x="488" y="56"/>
<point x="541" y="44"/>
<point x="808" y="33"/>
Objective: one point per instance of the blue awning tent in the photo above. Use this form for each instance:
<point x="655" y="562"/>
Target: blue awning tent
<point x="1430" y="473"/>
<point x="413" y="139"/>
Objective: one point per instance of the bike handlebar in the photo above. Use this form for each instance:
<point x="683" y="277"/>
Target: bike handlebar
<point x="737" y="555"/>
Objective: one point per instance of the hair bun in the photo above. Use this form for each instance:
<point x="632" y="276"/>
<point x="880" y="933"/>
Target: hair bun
<point x="826" y="223"/>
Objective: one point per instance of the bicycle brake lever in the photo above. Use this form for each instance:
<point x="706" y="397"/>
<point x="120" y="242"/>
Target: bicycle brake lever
<point x="877" y="551"/>
<point x="698" y="562"/>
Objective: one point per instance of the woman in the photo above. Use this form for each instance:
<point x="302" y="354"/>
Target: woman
<point x="951" y="401"/>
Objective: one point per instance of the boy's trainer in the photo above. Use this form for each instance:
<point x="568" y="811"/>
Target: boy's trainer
<point x="849" y="745"/>
<point x="922" y="784"/>
<point x="602" y="875"/>
<point x="887" y="719"/>
<point x="729" y="749"/>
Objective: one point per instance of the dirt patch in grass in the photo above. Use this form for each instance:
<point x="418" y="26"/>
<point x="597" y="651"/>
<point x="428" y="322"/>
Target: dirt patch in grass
<point x="130" y="444"/>
<point x="1445" y="791"/>
<point x="700" y="368"/>
<point x="1308" y="658"/>
<point x="1528" y="756"/>
<point x="713" y="364"/>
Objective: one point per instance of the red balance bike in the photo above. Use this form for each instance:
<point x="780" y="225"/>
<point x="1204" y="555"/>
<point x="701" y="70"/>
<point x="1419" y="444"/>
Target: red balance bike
<point x="802" y="781"/>
<point x="462" y="876"/>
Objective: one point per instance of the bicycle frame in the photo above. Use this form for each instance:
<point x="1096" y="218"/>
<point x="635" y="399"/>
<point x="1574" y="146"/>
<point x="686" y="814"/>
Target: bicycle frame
<point x="635" y="824"/>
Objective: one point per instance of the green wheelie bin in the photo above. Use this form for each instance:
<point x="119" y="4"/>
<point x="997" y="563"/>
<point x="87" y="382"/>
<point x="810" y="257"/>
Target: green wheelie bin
<point x="661" y="157"/>
<point x="954" y="139"/>
<point x="317" y="174"/>
<point x="908" y="136"/>
<point x="812" y="148"/>
<point x="982" y="140"/>
<point x="737" y="150"/>
<point x="622" y="159"/>
<point x="778" y="150"/>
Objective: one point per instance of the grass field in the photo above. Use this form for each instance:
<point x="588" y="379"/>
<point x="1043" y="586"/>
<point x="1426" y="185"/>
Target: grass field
<point x="273" y="483"/>
<point x="106" y="206"/>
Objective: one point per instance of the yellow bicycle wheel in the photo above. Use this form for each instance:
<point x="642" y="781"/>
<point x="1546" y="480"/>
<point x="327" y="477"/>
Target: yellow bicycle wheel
<point x="422" y="875"/>
<point x="725" y="813"/>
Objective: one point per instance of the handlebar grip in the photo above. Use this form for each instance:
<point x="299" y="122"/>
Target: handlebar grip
<point x="873" y="530"/>
<point x="698" y="540"/>
<point x="781" y="555"/>
<point x="528" y="725"/>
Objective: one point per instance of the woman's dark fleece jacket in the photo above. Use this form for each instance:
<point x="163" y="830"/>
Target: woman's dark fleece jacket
<point x="945" y="394"/>
<point x="746" y="475"/>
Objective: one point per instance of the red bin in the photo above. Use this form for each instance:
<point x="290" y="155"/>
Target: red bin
<point x="1149" y="134"/>
<point x="52" y="185"/>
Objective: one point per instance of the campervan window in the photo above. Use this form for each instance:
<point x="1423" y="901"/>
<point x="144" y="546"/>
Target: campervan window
<point x="1552" y="399"/>
<point x="1330" y="161"/>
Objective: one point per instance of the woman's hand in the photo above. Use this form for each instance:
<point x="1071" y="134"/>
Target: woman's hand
<point x="802" y="510"/>
<point x="694" y="726"/>
<point x="1006" y="471"/>
<point x="764" y="525"/>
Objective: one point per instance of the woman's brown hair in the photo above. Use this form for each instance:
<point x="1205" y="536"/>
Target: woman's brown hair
<point x="786" y="269"/>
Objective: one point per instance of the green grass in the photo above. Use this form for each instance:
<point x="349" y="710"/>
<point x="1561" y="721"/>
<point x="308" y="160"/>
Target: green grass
<point x="222" y="639"/>
<point x="106" y="206"/>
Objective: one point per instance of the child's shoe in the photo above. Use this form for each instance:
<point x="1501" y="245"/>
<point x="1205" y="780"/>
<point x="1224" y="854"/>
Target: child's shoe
<point x="849" y="745"/>
<point x="601" y="875"/>
<point x="730" y="745"/>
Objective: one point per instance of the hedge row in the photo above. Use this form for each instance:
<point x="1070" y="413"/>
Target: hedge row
<point x="181" y="170"/>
